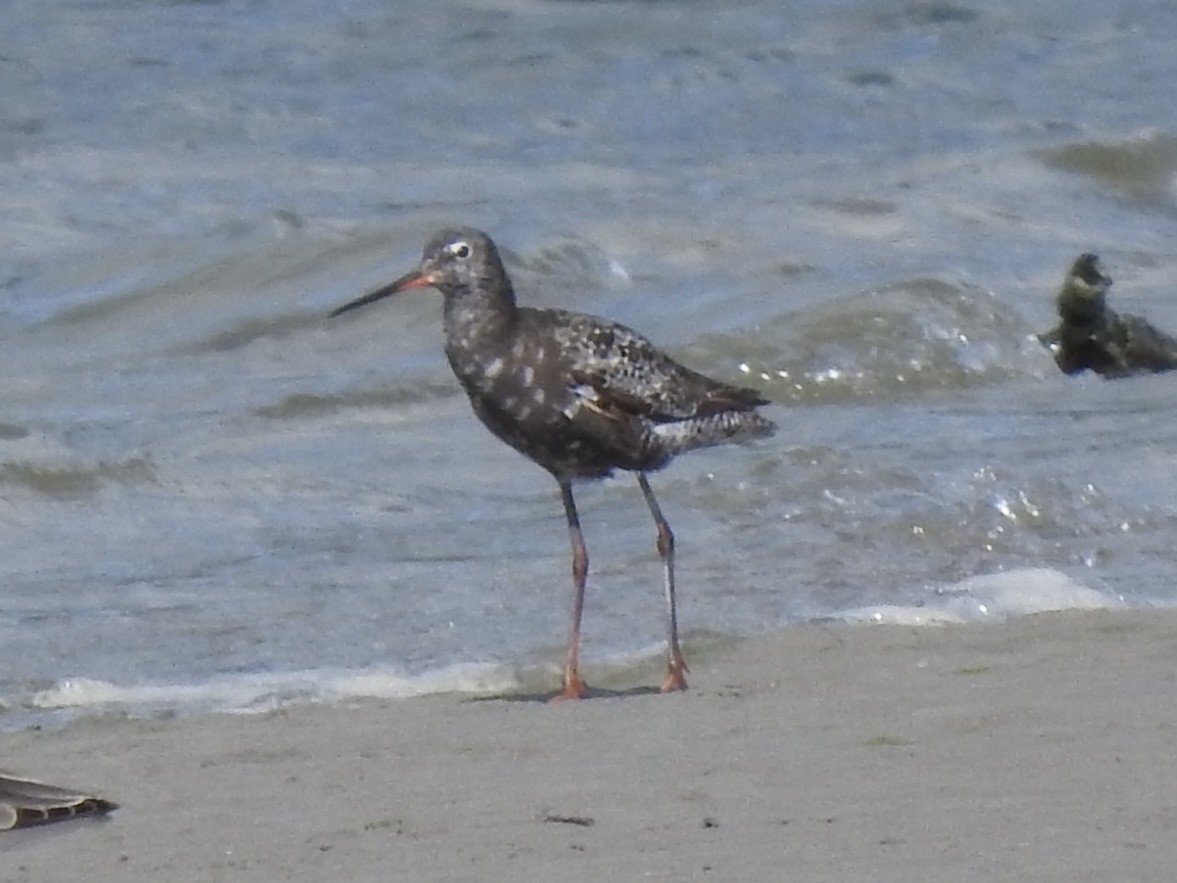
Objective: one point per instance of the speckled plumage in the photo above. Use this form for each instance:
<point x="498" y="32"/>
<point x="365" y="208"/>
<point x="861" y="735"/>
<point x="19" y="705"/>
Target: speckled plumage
<point x="579" y="395"/>
<point x="1093" y="337"/>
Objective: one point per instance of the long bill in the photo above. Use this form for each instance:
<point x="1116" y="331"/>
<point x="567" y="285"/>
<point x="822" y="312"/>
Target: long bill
<point x="415" y="279"/>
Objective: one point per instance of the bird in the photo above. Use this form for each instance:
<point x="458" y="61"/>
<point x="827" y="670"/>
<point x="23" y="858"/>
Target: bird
<point x="25" y="803"/>
<point x="580" y="396"/>
<point x="1092" y="336"/>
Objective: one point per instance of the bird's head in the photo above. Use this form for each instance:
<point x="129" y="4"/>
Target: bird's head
<point x="454" y="261"/>
<point x="1084" y="290"/>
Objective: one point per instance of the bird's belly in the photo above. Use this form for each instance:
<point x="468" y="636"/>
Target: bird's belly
<point x="545" y="436"/>
<point x="569" y="449"/>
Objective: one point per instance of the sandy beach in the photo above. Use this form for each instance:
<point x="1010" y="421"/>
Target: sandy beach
<point x="1031" y="750"/>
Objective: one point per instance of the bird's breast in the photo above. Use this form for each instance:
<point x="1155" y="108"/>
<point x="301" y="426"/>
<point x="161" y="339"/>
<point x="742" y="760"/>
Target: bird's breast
<point x="523" y="383"/>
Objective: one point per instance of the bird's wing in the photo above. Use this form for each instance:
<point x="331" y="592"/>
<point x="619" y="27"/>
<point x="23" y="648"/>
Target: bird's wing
<point x="1052" y="338"/>
<point x="1145" y="347"/>
<point x="628" y="375"/>
<point x="27" y="802"/>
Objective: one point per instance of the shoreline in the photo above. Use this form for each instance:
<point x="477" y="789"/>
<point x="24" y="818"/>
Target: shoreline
<point x="1038" y="748"/>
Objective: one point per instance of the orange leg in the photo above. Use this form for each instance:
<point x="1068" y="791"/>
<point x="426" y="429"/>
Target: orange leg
<point x="676" y="666"/>
<point x="574" y="687"/>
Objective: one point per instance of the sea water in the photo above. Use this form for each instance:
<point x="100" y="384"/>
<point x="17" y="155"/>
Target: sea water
<point x="213" y="496"/>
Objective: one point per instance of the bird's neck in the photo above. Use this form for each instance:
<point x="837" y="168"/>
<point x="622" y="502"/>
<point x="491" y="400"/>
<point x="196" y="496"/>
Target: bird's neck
<point x="474" y="316"/>
<point x="1080" y="307"/>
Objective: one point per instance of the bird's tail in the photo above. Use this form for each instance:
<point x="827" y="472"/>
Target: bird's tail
<point x="715" y="429"/>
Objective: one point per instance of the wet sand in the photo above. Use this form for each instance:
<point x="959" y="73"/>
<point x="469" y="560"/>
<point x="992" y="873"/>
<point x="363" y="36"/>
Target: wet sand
<point x="1032" y="750"/>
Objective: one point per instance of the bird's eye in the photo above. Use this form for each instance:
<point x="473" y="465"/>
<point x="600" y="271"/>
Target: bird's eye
<point x="460" y="250"/>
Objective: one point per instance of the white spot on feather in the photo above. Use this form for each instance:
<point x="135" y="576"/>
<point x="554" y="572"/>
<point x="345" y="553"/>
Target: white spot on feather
<point x="583" y="396"/>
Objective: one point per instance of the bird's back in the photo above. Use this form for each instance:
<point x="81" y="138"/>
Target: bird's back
<point x="625" y="396"/>
<point x="1145" y="347"/>
<point x="1113" y="345"/>
<point x="625" y="366"/>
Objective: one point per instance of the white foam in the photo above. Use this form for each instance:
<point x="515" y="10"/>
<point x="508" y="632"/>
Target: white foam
<point x="263" y="692"/>
<point x="893" y="614"/>
<point x="1020" y="593"/>
<point x="992" y="597"/>
<point x="986" y="597"/>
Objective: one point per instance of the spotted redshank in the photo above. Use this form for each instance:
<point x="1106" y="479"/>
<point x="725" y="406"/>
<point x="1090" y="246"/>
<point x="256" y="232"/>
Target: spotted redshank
<point x="578" y="395"/>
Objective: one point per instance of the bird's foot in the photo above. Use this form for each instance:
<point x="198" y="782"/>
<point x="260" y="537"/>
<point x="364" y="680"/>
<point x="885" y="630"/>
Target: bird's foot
<point x="574" y="688"/>
<point x="675" y="679"/>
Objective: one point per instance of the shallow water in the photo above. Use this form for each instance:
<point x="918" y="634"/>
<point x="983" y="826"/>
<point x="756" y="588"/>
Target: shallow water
<point x="212" y="496"/>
